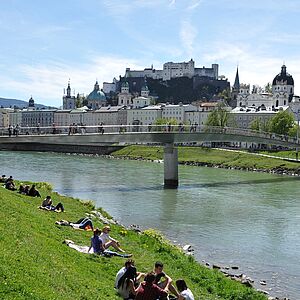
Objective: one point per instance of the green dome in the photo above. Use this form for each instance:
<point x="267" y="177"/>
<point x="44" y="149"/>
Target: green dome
<point x="125" y="84"/>
<point x="96" y="94"/>
<point x="145" y="88"/>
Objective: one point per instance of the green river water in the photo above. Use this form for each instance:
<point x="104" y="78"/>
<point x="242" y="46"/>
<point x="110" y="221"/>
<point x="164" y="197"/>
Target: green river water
<point x="230" y="217"/>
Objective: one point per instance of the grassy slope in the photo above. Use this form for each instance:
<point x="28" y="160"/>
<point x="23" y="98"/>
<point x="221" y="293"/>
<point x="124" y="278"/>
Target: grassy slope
<point x="34" y="264"/>
<point x="207" y="155"/>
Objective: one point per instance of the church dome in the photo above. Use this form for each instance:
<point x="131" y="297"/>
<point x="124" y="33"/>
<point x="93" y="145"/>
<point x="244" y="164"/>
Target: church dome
<point x="31" y="102"/>
<point x="145" y="88"/>
<point x="283" y="77"/>
<point x="125" y="84"/>
<point x="96" y="94"/>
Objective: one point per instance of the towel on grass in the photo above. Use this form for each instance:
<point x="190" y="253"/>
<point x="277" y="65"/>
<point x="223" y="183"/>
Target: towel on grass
<point x="82" y="249"/>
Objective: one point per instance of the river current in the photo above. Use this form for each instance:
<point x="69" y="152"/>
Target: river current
<point x="250" y="220"/>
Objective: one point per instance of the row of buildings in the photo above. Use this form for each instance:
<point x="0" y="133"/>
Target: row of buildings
<point x="134" y="109"/>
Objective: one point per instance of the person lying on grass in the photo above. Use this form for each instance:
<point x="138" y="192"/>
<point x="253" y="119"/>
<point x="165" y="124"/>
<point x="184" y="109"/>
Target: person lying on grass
<point x="47" y="205"/>
<point x="108" y="241"/>
<point x="83" y="223"/>
<point x="98" y="248"/>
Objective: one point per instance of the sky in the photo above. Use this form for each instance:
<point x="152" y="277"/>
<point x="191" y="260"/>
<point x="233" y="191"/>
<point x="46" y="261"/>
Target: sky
<point x="46" y="43"/>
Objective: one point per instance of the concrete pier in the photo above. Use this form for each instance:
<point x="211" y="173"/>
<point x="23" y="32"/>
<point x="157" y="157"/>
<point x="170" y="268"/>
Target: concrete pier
<point x="170" y="166"/>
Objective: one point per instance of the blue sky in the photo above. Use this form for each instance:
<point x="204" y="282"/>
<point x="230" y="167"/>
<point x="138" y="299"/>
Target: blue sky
<point x="44" y="43"/>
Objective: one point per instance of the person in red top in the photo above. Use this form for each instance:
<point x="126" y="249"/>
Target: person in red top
<point x="147" y="290"/>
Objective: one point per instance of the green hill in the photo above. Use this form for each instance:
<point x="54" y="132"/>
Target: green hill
<point x="35" y="264"/>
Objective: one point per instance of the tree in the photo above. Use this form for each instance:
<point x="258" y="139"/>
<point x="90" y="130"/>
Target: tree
<point x="225" y="95"/>
<point x="255" y="124"/>
<point x="259" y="125"/>
<point x="294" y="130"/>
<point x="219" y="116"/>
<point x="282" y="122"/>
<point x="268" y="88"/>
<point x="80" y="101"/>
<point x="164" y="122"/>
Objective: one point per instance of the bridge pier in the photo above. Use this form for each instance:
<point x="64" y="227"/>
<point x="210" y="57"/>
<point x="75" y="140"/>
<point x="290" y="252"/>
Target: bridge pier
<point x="170" y="166"/>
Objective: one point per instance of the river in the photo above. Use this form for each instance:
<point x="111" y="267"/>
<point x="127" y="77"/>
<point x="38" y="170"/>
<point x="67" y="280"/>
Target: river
<point x="251" y="220"/>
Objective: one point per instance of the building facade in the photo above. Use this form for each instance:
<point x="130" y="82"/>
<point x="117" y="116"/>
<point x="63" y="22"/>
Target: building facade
<point x="125" y="97"/>
<point x="174" y="70"/>
<point x="69" y="102"/>
<point x="281" y="96"/>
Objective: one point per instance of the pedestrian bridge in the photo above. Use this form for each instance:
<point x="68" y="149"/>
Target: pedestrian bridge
<point x="88" y="137"/>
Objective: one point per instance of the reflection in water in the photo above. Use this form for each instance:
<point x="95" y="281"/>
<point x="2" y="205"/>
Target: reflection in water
<point x="230" y="217"/>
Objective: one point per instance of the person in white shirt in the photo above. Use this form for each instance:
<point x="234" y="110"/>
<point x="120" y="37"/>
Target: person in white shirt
<point x="121" y="272"/>
<point x="108" y="241"/>
<point x="184" y="292"/>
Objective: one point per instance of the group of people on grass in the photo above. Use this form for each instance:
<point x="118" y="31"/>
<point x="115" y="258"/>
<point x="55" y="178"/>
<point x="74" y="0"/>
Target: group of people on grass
<point x="129" y="283"/>
<point x="23" y="189"/>
<point x="31" y="191"/>
<point x="155" y="285"/>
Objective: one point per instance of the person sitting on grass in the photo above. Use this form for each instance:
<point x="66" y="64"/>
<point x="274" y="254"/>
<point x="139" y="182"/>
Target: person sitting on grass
<point x="33" y="192"/>
<point x="121" y="272"/>
<point x="108" y="241"/>
<point x="21" y="189"/>
<point x="185" y="292"/>
<point x="26" y="190"/>
<point x="98" y="248"/>
<point x="126" y="284"/>
<point x="149" y="290"/>
<point x="47" y="205"/>
<point x="162" y="279"/>
<point x="9" y="184"/>
<point x="3" y="178"/>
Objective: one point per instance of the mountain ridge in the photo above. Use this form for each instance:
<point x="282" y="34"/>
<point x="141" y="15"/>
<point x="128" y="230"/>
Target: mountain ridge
<point x="11" y="103"/>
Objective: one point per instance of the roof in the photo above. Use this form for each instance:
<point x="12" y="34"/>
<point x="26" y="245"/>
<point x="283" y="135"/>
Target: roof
<point x="283" y="76"/>
<point x="108" y="109"/>
<point x="247" y="110"/>
<point x="96" y="94"/>
<point x="141" y="98"/>
<point x="209" y="104"/>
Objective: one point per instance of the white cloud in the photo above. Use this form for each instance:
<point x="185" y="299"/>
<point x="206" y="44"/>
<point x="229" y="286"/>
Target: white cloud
<point x="188" y="34"/>
<point x="172" y="3"/>
<point x="45" y="82"/>
<point x="194" y="4"/>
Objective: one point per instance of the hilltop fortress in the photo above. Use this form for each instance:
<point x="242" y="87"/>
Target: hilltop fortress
<point x="176" y="81"/>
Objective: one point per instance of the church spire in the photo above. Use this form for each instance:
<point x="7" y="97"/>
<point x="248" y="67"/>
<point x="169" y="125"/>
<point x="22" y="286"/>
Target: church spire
<point x="69" y="89"/>
<point x="236" y="85"/>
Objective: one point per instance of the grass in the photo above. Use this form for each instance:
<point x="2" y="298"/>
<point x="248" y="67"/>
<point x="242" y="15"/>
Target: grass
<point x="210" y="156"/>
<point x="34" y="264"/>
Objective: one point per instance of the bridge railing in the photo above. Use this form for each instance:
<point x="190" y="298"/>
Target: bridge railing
<point x="124" y="129"/>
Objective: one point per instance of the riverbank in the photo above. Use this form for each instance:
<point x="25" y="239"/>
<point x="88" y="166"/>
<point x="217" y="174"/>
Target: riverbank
<point x="35" y="264"/>
<point x="216" y="158"/>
